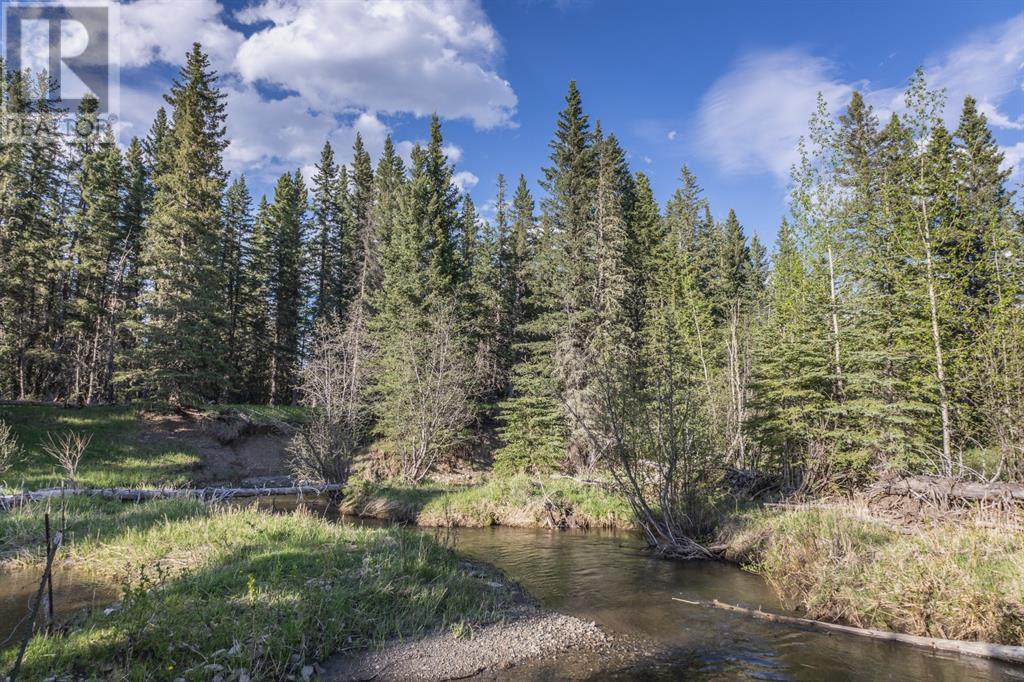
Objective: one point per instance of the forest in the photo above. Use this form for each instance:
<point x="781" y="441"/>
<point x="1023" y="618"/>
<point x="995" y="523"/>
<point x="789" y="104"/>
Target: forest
<point x="884" y="332"/>
<point x="621" y="364"/>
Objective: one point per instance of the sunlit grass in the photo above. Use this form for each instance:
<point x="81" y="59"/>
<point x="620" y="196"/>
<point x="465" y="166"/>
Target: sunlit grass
<point x="956" y="582"/>
<point x="245" y="590"/>
<point x="115" y="456"/>
<point x="513" y="501"/>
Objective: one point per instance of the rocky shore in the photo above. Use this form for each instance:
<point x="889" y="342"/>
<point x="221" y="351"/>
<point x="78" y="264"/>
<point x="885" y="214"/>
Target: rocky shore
<point x="530" y="643"/>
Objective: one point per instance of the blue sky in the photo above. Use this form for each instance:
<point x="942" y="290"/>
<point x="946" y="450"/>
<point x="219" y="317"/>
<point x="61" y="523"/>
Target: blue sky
<point x="725" y="87"/>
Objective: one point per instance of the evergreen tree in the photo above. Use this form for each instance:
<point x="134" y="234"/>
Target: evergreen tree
<point x="237" y="237"/>
<point x="181" y="356"/>
<point x="570" y="183"/>
<point x="256" y="347"/>
<point x="365" y="235"/>
<point x="97" y="249"/>
<point x="327" y="259"/>
<point x="287" y="218"/>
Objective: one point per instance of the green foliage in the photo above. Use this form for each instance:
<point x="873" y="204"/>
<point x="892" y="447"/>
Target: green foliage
<point x="182" y="353"/>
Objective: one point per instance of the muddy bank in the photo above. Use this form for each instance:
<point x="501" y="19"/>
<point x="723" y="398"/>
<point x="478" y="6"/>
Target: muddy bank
<point x="530" y="643"/>
<point x="231" y="447"/>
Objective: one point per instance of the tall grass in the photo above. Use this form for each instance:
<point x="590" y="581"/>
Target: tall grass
<point x="955" y="582"/>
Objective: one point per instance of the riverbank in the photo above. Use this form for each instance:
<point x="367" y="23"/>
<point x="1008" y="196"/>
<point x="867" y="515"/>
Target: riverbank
<point x="951" y="581"/>
<point x="517" y="501"/>
<point x="212" y="590"/>
<point x="150" y="446"/>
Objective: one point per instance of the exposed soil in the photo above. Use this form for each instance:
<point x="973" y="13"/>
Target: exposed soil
<point x="231" y="450"/>
<point x="530" y="644"/>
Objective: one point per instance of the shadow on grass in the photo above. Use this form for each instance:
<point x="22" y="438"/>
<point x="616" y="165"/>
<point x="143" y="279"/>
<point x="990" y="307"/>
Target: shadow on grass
<point x="285" y="591"/>
<point x="90" y="522"/>
<point x="115" y="457"/>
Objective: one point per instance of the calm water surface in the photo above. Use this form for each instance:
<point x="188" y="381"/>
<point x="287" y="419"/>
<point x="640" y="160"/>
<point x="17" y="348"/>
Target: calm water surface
<point x="611" y="579"/>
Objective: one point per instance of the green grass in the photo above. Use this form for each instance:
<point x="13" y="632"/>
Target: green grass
<point x="954" y="582"/>
<point x="292" y="414"/>
<point x="114" y="457"/>
<point x="514" y="501"/>
<point x="241" y="589"/>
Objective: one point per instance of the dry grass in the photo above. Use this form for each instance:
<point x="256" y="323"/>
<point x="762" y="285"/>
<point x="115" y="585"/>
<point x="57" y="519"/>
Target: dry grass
<point x="956" y="582"/>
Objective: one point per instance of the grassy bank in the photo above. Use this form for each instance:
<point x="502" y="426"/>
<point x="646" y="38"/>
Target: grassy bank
<point x="515" y="501"/>
<point x="215" y="590"/>
<point x="956" y="582"/>
<point x="116" y="455"/>
<point x="124" y="449"/>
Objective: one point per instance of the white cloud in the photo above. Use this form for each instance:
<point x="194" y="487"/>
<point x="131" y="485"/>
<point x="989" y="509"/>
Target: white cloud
<point x="465" y="180"/>
<point x="453" y="152"/>
<point x="752" y="117"/>
<point x="341" y="67"/>
<point x="672" y="134"/>
<point x="1014" y="158"/>
<point x="989" y="66"/>
<point x="164" y="30"/>
<point x="387" y="56"/>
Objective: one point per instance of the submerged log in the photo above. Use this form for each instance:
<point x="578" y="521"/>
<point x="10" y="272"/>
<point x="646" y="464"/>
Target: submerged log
<point x="138" y="495"/>
<point x="1001" y="652"/>
<point x="937" y="487"/>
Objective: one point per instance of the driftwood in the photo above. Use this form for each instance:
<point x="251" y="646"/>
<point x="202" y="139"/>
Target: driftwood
<point x="138" y="495"/>
<point x="941" y="488"/>
<point x="1001" y="652"/>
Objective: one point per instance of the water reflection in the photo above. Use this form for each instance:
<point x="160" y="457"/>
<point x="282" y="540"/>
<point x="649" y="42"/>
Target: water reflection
<point x="610" y="578"/>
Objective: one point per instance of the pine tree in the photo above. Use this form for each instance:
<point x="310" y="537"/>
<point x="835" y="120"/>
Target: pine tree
<point x="790" y="416"/>
<point x="570" y="182"/>
<point x="366" y="236"/>
<point x="534" y="424"/>
<point x="137" y="203"/>
<point x="328" y="262"/>
<point x="33" y="209"/>
<point x="647" y="232"/>
<point x="182" y="356"/>
<point x="256" y="354"/>
<point x="97" y="253"/>
<point x="237" y="236"/>
<point x="287" y="218"/>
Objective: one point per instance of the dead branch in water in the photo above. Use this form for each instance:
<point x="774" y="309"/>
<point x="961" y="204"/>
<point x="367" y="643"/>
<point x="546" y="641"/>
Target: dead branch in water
<point x="138" y="495"/>
<point x="1001" y="652"/>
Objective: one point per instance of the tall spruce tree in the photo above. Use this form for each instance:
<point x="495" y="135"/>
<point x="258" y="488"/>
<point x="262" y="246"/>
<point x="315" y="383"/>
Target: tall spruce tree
<point x="570" y="182"/>
<point x="237" y="237"/>
<point x="327" y="261"/>
<point x="182" y="354"/>
<point x="287" y="217"/>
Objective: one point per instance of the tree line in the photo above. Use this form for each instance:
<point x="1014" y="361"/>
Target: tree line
<point x="884" y="333"/>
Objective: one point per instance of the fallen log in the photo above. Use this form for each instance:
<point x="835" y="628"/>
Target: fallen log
<point x="1001" y="652"/>
<point x="938" y="487"/>
<point x="138" y="494"/>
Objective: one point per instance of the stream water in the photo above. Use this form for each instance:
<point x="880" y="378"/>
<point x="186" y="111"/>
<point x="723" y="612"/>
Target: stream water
<point x="612" y="579"/>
